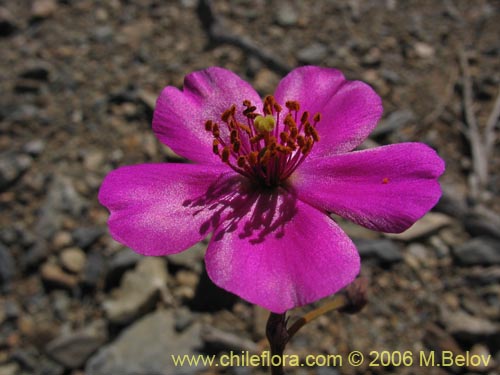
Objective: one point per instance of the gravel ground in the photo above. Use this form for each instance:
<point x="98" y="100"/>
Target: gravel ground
<point x="79" y="80"/>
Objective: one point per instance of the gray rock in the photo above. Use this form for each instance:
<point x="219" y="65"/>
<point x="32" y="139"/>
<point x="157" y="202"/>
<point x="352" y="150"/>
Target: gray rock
<point x="482" y="350"/>
<point x="424" y="50"/>
<point x="47" y="366"/>
<point x="191" y="258"/>
<point x="11" y="310"/>
<point x="467" y="327"/>
<point x="478" y="251"/>
<point x="424" y="227"/>
<point x="393" y="122"/>
<point x="187" y="278"/>
<point x="138" y="292"/>
<point x="24" y="113"/>
<point x="313" y="54"/>
<point x="217" y="339"/>
<point x="26" y="358"/>
<point x="7" y="265"/>
<point x="209" y="297"/>
<point x="43" y="8"/>
<point x="9" y="235"/>
<point x="54" y="277"/>
<point x="61" y="240"/>
<point x="121" y="262"/>
<point x="93" y="159"/>
<point x="103" y="34"/>
<point x="240" y="371"/>
<point x="34" y="147"/>
<point x="73" y="259"/>
<point x="72" y="350"/>
<point x="372" y="58"/>
<point x="8" y="23"/>
<point x="146" y="348"/>
<point x="391" y="76"/>
<point x="94" y="269"/>
<point x="35" y="255"/>
<point x="382" y="251"/>
<point x="189" y="3"/>
<point x="10" y="368"/>
<point x="441" y="248"/>
<point x="85" y="236"/>
<point x="39" y="73"/>
<point x="183" y="319"/>
<point x="452" y="202"/>
<point x="12" y="166"/>
<point x="3" y="315"/>
<point x="60" y="303"/>
<point x="483" y="222"/>
<point x="27" y="86"/>
<point x="437" y="339"/>
<point x="62" y="198"/>
<point x="482" y="276"/>
<point x="327" y="371"/>
<point x="287" y="14"/>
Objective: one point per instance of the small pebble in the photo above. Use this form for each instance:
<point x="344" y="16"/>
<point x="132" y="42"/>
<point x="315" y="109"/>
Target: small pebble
<point x="73" y="259"/>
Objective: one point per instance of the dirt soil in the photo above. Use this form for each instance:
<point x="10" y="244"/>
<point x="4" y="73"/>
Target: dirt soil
<point x="79" y="80"/>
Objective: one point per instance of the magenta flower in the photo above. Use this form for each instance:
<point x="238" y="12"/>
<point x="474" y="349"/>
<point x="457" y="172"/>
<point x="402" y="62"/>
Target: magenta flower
<point x="265" y="176"/>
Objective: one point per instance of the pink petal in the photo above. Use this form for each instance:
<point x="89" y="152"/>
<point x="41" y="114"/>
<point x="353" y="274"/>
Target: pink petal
<point x="386" y="188"/>
<point x="279" y="253"/>
<point x="180" y="116"/>
<point x="159" y="209"/>
<point x="349" y="110"/>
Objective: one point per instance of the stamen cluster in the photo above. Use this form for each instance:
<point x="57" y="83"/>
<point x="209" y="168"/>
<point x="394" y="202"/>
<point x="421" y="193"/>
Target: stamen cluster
<point x="270" y="146"/>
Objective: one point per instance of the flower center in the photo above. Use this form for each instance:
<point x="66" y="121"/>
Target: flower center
<point x="270" y="146"/>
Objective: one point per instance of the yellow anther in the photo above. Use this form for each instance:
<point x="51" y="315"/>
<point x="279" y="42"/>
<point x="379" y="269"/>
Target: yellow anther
<point x="264" y="124"/>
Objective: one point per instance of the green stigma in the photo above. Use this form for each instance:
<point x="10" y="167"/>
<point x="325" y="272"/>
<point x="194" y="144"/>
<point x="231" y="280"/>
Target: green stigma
<point x="264" y="124"/>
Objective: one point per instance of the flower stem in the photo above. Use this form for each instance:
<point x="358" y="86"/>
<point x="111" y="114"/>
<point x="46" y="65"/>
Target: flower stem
<point x="277" y="336"/>
<point x="351" y="300"/>
<point x="336" y="303"/>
